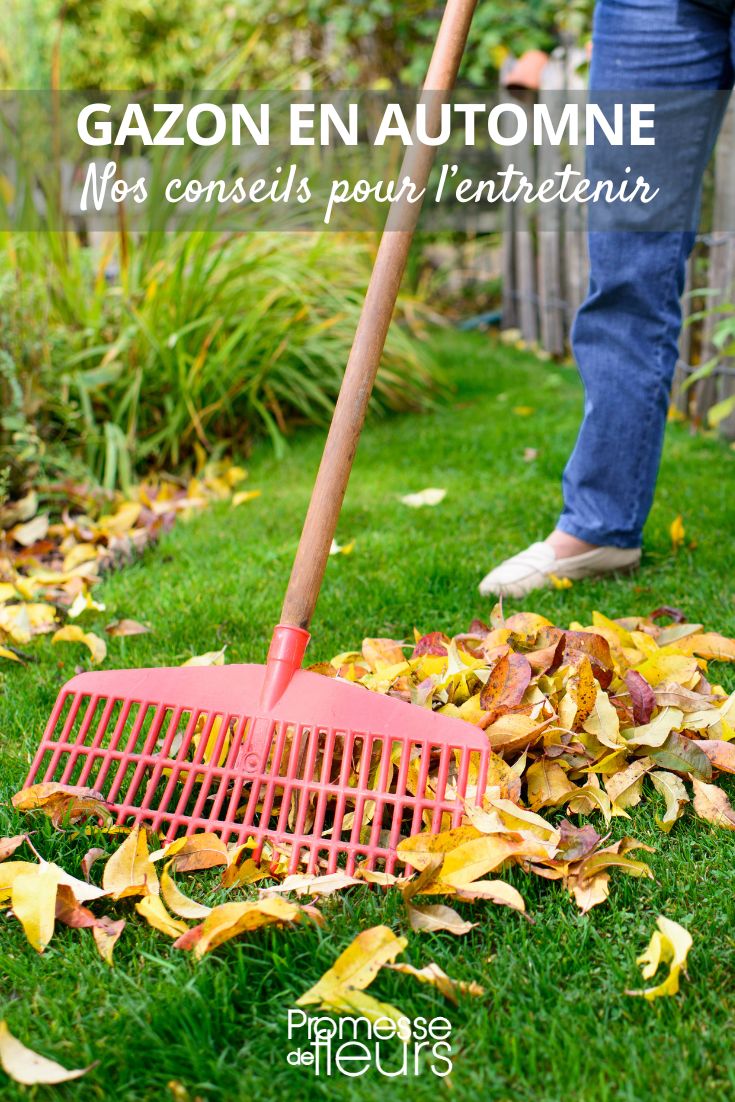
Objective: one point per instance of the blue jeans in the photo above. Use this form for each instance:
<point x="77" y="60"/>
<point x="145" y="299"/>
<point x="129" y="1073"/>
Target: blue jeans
<point x="625" y="335"/>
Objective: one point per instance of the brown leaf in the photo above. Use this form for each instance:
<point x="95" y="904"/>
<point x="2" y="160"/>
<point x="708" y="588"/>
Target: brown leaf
<point x="592" y="646"/>
<point x="63" y="802"/>
<point x="8" y="846"/>
<point x="643" y="697"/>
<point x="91" y="856"/>
<point x="508" y="681"/>
<point x="712" y="804"/>
<point x="196" y="852"/>
<point x="126" y="627"/>
<point x="228" y="920"/>
<point x="720" y="753"/>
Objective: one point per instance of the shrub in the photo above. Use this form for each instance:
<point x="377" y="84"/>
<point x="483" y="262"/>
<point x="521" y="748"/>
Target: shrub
<point x="197" y="342"/>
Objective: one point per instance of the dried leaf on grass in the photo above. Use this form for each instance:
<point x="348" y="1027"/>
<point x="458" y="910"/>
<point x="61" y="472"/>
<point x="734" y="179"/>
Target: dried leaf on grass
<point x="436" y="977"/>
<point x="25" y="1066"/>
<point x="228" y="920"/>
<point x="670" y="944"/>
<point x="130" y="871"/>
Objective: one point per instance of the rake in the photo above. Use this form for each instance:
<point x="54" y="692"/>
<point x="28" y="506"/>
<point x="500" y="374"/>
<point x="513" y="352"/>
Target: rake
<point x="317" y="769"/>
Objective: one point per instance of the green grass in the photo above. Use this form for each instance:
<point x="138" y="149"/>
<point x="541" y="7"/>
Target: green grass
<point x="555" y="1023"/>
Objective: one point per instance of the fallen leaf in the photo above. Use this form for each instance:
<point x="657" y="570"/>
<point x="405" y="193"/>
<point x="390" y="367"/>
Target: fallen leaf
<point x="8" y="846"/>
<point x="63" y="803"/>
<point x="682" y="755"/>
<point x="195" y="852"/>
<point x="129" y="871"/>
<point x="244" y="495"/>
<point x="228" y="920"/>
<point x="74" y="634"/>
<point x="24" y="1066"/>
<point x="642" y="696"/>
<point x="106" y="934"/>
<point x="126" y="627"/>
<point x="677" y="533"/>
<point x="712" y="805"/>
<point x="151" y="908"/>
<point x="357" y="966"/>
<point x="34" y="904"/>
<point x="670" y="944"/>
<point x="438" y="916"/>
<point x="176" y="901"/>
<point x="673" y="791"/>
<point x="508" y="681"/>
<point x="211" y="658"/>
<point x="432" y="496"/>
<point x="721" y="754"/>
<point x="436" y="977"/>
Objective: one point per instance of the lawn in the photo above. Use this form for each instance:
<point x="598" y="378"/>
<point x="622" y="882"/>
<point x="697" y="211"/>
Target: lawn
<point x="555" y="1022"/>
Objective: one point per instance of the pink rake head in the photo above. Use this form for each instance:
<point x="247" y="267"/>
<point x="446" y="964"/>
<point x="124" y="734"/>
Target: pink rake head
<point x="275" y="753"/>
<point x="326" y="769"/>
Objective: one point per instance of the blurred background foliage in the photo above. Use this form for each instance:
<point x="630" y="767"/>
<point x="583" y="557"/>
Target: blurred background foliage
<point x="136" y="44"/>
<point x="142" y="352"/>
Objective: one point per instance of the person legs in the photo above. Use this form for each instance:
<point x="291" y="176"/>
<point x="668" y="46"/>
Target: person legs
<point x="625" y="335"/>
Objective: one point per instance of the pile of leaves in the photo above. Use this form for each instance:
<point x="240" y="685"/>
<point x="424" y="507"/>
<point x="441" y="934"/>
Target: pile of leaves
<point x="52" y="555"/>
<point x="577" y="718"/>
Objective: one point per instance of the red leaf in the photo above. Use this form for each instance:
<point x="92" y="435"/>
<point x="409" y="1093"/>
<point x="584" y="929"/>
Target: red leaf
<point x="436" y="642"/>
<point x="643" y="697"/>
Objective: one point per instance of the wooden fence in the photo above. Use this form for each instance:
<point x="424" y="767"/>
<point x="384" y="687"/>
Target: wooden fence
<point x="545" y="266"/>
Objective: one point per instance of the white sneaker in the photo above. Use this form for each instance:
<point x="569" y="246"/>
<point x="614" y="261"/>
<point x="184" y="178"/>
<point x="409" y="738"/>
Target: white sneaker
<point x="532" y="568"/>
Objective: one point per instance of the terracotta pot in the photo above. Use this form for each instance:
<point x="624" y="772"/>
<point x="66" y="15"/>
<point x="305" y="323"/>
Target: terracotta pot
<point x="526" y="73"/>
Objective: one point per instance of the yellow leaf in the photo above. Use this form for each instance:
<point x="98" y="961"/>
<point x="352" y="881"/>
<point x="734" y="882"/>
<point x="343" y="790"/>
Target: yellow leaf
<point x="211" y="658"/>
<point x="357" y="966"/>
<point x="33" y="530"/>
<point x="34" y="904"/>
<point x="670" y="944"/>
<point x="122" y="520"/>
<point x="603" y="722"/>
<point x="175" y="899"/>
<point x="153" y="911"/>
<point x="436" y="977"/>
<point x="475" y="859"/>
<point x="71" y="633"/>
<point x="546" y="783"/>
<point x="668" y="667"/>
<point x="129" y="871"/>
<point x="5" y="653"/>
<point x="658" y="730"/>
<point x="677" y="533"/>
<point x="106" y="933"/>
<point x="24" y="1066"/>
<point x="79" y="553"/>
<point x="420" y="848"/>
<point x="431" y="496"/>
<point x="560" y="583"/>
<point x="228" y="920"/>
<point x="712" y="805"/>
<point x="673" y="791"/>
<point x="9" y="872"/>
<point x="243" y="496"/>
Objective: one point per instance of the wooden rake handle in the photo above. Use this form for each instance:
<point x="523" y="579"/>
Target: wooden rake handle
<point x="362" y="366"/>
